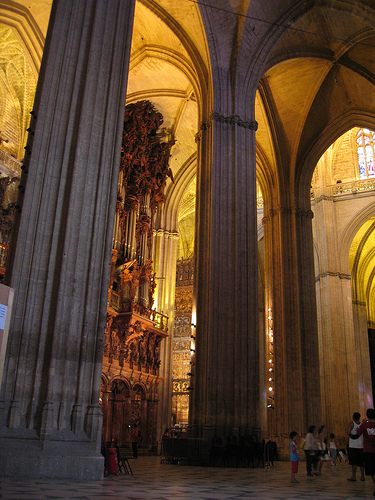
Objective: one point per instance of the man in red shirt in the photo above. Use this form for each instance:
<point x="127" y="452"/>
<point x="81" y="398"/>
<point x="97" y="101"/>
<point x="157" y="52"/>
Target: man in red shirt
<point x="367" y="429"/>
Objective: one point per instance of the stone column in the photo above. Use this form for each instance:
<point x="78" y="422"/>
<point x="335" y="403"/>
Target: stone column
<point x="308" y="319"/>
<point x="363" y="380"/>
<point x="289" y="286"/>
<point x="165" y="256"/>
<point x="51" y="419"/>
<point x="225" y="396"/>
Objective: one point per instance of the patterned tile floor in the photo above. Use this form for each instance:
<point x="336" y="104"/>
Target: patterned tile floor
<point x="153" y="480"/>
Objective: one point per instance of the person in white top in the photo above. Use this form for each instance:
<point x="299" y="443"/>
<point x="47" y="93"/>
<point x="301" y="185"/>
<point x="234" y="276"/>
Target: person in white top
<point x="355" y="448"/>
<point x="332" y="449"/>
<point x="311" y="450"/>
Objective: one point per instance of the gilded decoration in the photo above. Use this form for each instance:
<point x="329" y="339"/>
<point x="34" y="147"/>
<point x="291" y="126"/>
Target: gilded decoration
<point x="182" y="323"/>
<point x="185" y="272"/>
<point x="182" y="338"/>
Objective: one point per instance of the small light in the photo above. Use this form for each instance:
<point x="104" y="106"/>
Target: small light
<point x="270" y="379"/>
<point x="269" y="309"/>
<point x="270" y="370"/>
<point x="269" y="317"/>
<point x="270" y="360"/>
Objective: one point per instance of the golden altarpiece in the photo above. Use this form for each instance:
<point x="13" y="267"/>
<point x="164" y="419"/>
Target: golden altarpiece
<point x="182" y="369"/>
<point x="134" y="330"/>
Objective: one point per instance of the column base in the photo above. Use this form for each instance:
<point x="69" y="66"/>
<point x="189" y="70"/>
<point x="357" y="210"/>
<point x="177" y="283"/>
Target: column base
<point x="30" y="459"/>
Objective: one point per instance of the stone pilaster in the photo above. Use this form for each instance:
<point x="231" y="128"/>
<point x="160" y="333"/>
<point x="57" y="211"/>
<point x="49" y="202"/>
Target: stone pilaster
<point x="61" y="265"/>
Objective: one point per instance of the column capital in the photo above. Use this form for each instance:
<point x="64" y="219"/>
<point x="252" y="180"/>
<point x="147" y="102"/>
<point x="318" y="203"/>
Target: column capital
<point x="232" y="120"/>
<point x="298" y="212"/>
<point x="359" y="303"/>
<point x="334" y="274"/>
<point x="167" y="234"/>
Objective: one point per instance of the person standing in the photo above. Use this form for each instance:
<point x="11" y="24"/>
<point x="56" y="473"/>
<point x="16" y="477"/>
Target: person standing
<point x="367" y="430"/>
<point x="294" y="455"/>
<point x="135" y="438"/>
<point x="355" y="448"/>
<point x="322" y="448"/>
<point x="311" y="450"/>
<point x="332" y="449"/>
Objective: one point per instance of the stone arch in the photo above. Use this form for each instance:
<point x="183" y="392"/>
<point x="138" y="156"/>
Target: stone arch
<point x="260" y="60"/>
<point x="267" y="180"/>
<point x="120" y="386"/>
<point x="351" y="230"/>
<point x="353" y="118"/>
<point x="203" y="71"/>
<point x="27" y="31"/>
<point x="115" y="408"/>
<point x="140" y="389"/>
<point x="176" y="192"/>
<point x="170" y="57"/>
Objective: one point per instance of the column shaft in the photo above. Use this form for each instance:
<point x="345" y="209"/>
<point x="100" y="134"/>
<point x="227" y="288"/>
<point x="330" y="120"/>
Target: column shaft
<point x="62" y="260"/>
<point x="291" y="296"/>
<point x="225" y="398"/>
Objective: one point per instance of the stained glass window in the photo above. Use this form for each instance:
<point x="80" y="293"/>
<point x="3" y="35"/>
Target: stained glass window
<point x="366" y="153"/>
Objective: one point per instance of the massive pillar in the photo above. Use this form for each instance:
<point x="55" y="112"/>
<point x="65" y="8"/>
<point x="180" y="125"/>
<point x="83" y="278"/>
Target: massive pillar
<point x="50" y="414"/>
<point x="308" y="320"/>
<point x="225" y="386"/>
<point x="290" y="298"/>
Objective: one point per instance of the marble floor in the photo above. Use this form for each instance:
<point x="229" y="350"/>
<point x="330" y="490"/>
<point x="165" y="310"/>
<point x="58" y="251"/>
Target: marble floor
<point x="157" y="481"/>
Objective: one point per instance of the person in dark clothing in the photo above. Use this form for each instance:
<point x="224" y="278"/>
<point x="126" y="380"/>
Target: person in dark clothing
<point x="135" y="438"/>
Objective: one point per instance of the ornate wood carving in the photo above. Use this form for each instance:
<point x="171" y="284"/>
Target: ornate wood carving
<point x="144" y="157"/>
<point x="134" y="331"/>
<point x="133" y="343"/>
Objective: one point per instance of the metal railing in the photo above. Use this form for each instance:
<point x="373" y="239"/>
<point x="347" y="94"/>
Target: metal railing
<point x="159" y="320"/>
<point x="10" y="164"/>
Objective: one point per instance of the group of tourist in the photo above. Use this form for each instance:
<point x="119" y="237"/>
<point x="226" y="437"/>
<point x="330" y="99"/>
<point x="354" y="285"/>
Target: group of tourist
<point x="319" y="450"/>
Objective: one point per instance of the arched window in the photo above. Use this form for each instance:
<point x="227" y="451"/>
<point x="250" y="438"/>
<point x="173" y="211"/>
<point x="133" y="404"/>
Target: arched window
<point x="366" y="153"/>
